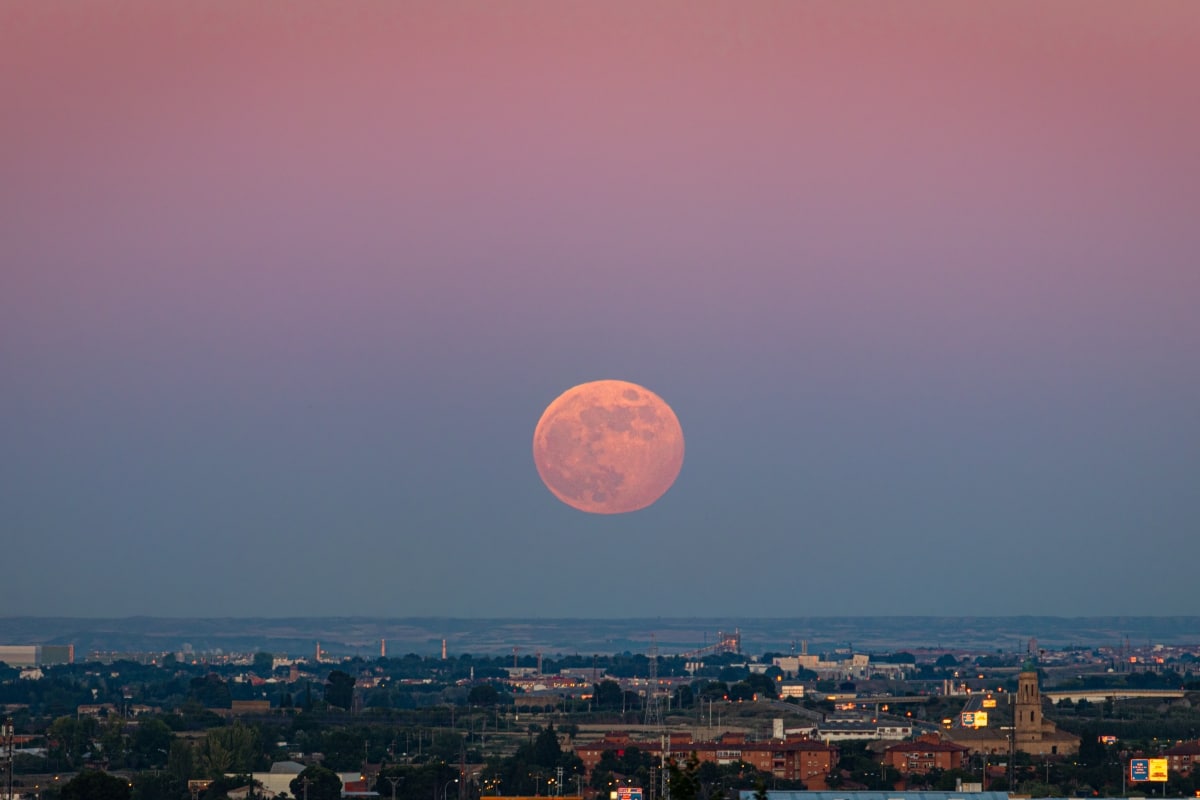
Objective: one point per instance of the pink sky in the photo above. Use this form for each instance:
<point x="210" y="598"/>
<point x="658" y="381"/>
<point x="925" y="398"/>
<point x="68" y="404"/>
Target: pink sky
<point x="958" y="239"/>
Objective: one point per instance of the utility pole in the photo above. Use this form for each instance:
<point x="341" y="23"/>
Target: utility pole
<point x="6" y="730"/>
<point x="305" y="781"/>
<point x="393" y="780"/>
<point x="665" y="794"/>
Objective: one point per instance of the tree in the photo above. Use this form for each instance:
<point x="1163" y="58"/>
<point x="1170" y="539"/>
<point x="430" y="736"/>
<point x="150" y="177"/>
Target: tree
<point x="264" y="664"/>
<point x="95" y="785"/>
<point x="731" y="673"/>
<point x="763" y="685"/>
<point x="546" y="750"/>
<point x="1092" y="752"/>
<point x="741" y="691"/>
<point x="608" y="694"/>
<point x="210" y="691"/>
<point x="317" y="783"/>
<point x="483" y="695"/>
<point x="232" y="749"/>
<point x="151" y="742"/>
<point x="219" y="788"/>
<point x="180" y="760"/>
<point x="70" y="738"/>
<point x="112" y="741"/>
<point x="714" y="690"/>
<point x="156" y="786"/>
<point x="339" y="689"/>
<point x="682" y="780"/>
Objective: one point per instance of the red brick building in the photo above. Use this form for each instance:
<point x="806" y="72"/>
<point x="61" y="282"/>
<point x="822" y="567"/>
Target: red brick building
<point x="927" y="753"/>
<point x="793" y="759"/>
<point x="1182" y="758"/>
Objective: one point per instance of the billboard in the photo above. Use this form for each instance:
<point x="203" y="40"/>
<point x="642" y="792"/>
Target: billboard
<point x="974" y="719"/>
<point x="629" y="793"/>
<point x="1148" y="769"/>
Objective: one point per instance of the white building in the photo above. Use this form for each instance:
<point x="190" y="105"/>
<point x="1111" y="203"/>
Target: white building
<point x="279" y="779"/>
<point x="863" y="729"/>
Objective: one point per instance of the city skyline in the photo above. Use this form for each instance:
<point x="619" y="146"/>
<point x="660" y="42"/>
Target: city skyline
<point x="285" y="289"/>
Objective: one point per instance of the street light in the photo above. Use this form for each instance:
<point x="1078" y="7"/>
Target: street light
<point x="1010" y="734"/>
<point x="447" y="787"/>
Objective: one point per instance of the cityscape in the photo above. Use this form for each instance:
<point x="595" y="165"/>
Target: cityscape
<point x="722" y="718"/>
<point x="599" y="399"/>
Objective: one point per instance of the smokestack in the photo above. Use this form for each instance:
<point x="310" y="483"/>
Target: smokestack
<point x="383" y="648"/>
<point x="443" y="649"/>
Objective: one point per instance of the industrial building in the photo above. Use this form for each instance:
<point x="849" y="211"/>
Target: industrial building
<point x="37" y="655"/>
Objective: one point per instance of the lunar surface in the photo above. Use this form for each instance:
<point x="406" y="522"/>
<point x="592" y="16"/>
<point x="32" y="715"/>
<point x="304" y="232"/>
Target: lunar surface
<point x="608" y="447"/>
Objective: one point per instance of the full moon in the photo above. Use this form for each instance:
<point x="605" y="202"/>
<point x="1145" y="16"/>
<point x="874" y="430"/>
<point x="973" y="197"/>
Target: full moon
<point x="608" y="447"/>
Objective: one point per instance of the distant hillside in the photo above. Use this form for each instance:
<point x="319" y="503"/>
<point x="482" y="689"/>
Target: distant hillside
<point x="424" y="635"/>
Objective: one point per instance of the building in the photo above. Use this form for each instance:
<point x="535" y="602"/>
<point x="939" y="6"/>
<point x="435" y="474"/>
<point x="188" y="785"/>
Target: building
<point x="1182" y="758"/>
<point x="1034" y="734"/>
<point x="855" y="666"/>
<point x="793" y="759"/>
<point x="928" y="752"/>
<point x="1029" y="733"/>
<point x="864" y="728"/>
<point x="279" y="780"/>
<point x="239" y="708"/>
<point x="888" y="795"/>
<point x="37" y="655"/>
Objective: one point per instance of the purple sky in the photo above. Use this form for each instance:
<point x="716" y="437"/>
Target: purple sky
<point x="284" y="288"/>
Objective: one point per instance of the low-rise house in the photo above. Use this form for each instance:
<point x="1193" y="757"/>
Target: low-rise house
<point x="928" y="752"/>
<point x="791" y="758"/>
<point x="1182" y="758"/>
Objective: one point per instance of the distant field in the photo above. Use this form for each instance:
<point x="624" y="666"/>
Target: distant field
<point x="423" y="636"/>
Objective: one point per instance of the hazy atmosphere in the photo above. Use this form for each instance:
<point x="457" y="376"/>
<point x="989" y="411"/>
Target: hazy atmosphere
<point x="285" y="288"/>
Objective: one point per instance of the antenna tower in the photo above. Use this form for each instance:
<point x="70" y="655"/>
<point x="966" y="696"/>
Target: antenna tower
<point x="654" y="716"/>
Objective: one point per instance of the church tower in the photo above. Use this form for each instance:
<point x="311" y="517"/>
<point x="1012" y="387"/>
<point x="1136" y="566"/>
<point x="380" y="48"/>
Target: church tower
<point x="1028" y="715"/>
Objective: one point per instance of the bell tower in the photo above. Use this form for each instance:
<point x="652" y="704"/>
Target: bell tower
<point x="1028" y="713"/>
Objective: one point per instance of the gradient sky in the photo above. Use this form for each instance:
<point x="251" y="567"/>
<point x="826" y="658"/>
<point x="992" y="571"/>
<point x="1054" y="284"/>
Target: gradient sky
<point x="285" y="286"/>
